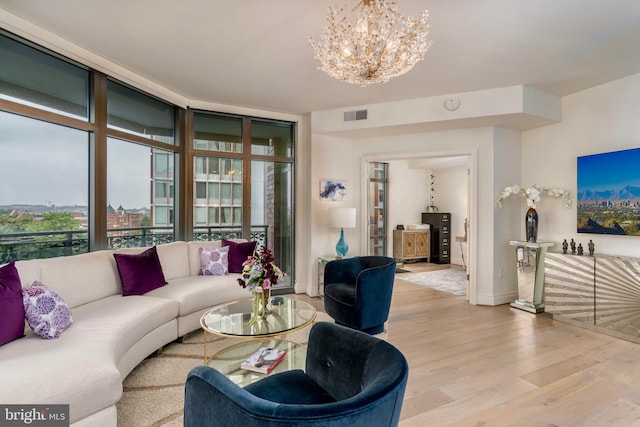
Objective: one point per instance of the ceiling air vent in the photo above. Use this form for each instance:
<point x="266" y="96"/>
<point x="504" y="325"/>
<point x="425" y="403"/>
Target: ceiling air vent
<point x="355" y="115"/>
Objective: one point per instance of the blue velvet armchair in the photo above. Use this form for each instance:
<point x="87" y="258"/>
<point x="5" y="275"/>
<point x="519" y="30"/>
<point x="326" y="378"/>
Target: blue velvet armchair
<point x="357" y="291"/>
<point x="350" y="378"/>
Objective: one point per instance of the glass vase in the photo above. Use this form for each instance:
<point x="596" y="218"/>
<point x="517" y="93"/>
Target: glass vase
<point x="260" y="306"/>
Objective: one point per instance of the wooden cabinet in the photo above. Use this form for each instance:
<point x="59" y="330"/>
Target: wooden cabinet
<point x="411" y="244"/>
<point x="440" y="236"/>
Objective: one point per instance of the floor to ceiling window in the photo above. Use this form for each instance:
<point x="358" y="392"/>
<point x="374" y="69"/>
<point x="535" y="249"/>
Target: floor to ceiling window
<point x="44" y="167"/>
<point x="218" y="176"/>
<point x="140" y="168"/>
<point x="272" y="188"/>
<point x="99" y="164"/>
<point x="239" y="187"/>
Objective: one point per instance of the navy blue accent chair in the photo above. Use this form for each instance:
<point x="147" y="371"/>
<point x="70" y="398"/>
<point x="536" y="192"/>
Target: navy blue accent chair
<point x="351" y="378"/>
<point x="357" y="291"/>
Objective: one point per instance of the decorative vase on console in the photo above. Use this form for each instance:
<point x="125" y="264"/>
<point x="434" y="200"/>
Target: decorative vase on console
<point x="532" y="195"/>
<point x="531" y="225"/>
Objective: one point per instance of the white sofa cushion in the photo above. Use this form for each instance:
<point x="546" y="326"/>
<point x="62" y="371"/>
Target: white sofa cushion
<point x="195" y="293"/>
<point x="70" y="370"/>
<point x="80" y="279"/>
<point x="81" y="366"/>
<point x="174" y="258"/>
<point x="122" y="321"/>
<point x="29" y="271"/>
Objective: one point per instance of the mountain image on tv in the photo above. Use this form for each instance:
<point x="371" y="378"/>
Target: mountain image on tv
<point x="608" y="196"/>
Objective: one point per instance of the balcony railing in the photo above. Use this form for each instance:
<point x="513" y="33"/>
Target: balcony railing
<point x="48" y="244"/>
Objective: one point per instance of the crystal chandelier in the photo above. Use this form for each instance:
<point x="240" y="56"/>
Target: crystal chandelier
<point x="379" y="45"/>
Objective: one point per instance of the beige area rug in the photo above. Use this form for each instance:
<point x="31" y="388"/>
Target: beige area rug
<point x="453" y="280"/>
<point x="154" y="390"/>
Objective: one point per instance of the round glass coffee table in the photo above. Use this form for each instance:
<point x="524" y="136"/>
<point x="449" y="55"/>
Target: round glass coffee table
<point x="231" y="320"/>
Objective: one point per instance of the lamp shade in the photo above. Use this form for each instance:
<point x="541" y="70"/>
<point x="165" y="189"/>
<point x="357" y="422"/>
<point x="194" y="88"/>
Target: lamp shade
<point x="342" y="217"/>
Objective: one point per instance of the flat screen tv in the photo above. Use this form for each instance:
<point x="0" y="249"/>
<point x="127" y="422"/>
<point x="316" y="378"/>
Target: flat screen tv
<point x="609" y="193"/>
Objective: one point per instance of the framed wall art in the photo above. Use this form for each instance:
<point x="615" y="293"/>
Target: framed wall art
<point x="333" y="190"/>
<point x="609" y="193"/>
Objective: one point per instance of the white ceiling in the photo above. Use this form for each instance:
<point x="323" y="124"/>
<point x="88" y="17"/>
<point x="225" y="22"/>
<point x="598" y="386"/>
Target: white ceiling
<point x="255" y="53"/>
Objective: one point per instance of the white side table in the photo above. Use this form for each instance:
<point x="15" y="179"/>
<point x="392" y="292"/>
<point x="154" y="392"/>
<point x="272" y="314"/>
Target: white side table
<point x="322" y="262"/>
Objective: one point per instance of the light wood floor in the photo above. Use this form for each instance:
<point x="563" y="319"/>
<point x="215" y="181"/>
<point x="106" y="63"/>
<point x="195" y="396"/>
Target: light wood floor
<point x="498" y="366"/>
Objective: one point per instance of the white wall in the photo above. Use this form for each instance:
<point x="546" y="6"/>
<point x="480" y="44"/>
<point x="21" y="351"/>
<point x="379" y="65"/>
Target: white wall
<point x="408" y="196"/>
<point x="338" y="162"/>
<point x="600" y="119"/>
<point x="508" y="221"/>
<point x="350" y="158"/>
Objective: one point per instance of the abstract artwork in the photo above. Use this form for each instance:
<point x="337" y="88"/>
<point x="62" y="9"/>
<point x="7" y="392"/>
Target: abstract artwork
<point x="333" y="190"/>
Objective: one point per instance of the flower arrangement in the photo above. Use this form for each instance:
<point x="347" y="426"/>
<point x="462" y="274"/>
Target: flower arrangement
<point x="259" y="273"/>
<point x="532" y="194"/>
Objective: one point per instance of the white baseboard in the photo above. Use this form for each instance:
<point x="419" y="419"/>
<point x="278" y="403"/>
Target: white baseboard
<point x="497" y="299"/>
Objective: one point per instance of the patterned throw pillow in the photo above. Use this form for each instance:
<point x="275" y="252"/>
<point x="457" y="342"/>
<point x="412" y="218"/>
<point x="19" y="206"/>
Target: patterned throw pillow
<point x="46" y="312"/>
<point x="214" y="261"/>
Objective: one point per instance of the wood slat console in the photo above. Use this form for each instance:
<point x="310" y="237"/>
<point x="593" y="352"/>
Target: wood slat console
<point x="599" y="292"/>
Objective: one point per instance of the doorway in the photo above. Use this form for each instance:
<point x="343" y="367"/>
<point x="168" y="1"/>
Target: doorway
<point x="418" y="180"/>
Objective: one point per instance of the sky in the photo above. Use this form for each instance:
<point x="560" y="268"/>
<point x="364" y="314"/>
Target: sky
<point x="41" y="163"/>
<point x="609" y="170"/>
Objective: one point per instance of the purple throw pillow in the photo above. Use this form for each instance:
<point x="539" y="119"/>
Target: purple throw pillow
<point x="140" y="273"/>
<point x="46" y="312"/>
<point x="238" y="253"/>
<point x="214" y="261"/>
<point x="11" y="306"/>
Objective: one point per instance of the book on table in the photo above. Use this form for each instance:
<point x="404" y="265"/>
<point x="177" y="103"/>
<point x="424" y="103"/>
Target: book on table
<point x="263" y="360"/>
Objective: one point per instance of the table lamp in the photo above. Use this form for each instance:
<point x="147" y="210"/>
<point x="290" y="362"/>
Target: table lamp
<point x="342" y="218"/>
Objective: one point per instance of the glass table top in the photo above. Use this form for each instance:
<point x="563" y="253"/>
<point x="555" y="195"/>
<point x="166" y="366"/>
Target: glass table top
<point x="228" y="360"/>
<point x="232" y="319"/>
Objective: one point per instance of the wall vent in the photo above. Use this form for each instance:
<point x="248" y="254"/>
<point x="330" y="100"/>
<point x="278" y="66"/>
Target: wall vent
<point x="355" y="115"/>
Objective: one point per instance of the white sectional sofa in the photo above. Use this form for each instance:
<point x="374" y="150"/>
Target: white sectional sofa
<point x="110" y="334"/>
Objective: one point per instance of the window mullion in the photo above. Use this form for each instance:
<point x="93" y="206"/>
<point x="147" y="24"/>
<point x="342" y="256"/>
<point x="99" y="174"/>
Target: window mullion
<point x="98" y="164"/>
<point x="246" y="177"/>
<point x="184" y="176"/>
<point x="47" y="116"/>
